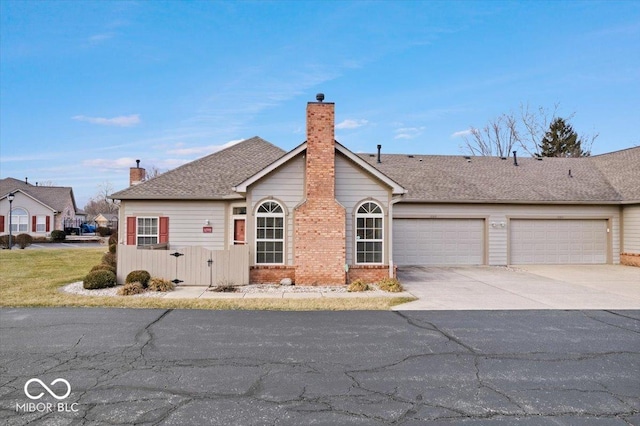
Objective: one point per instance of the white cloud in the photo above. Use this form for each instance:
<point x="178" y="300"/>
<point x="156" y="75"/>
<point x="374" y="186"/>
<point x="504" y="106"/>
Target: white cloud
<point x="408" y="132"/>
<point x="351" y="124"/>
<point x="110" y="164"/>
<point x="120" y="121"/>
<point x="461" y="133"/>
<point x="209" y="149"/>
<point x="98" y="38"/>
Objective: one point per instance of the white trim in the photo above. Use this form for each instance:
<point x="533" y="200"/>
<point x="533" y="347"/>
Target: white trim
<point x="357" y="215"/>
<point x="138" y="234"/>
<point x="283" y="215"/>
<point x="232" y="221"/>
<point x="17" y="224"/>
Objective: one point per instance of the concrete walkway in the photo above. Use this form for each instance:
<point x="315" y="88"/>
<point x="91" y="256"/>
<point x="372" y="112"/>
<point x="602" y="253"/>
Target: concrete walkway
<point x="522" y="287"/>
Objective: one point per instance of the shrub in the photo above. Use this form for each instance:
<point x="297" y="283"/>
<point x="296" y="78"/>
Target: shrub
<point x="142" y="277"/>
<point x="160" y="284"/>
<point x="103" y="267"/>
<point x="103" y="231"/>
<point x="358" y="285"/>
<point x="99" y="279"/>
<point x="24" y="240"/>
<point x="4" y="241"/>
<point x="112" y="248"/>
<point x="391" y="285"/>
<point x="129" y="289"/>
<point x="225" y="286"/>
<point x="110" y="259"/>
<point x="113" y="239"/>
<point x="58" y="235"/>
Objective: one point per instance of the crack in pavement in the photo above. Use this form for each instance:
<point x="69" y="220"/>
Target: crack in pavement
<point x="395" y="378"/>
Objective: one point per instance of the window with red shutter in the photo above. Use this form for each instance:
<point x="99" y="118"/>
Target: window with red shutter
<point x="1" y="223"/>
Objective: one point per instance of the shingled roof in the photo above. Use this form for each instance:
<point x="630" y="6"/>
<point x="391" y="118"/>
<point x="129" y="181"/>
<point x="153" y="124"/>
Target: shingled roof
<point x="622" y="170"/>
<point x="56" y="197"/>
<point x="607" y="178"/>
<point x="208" y="178"/>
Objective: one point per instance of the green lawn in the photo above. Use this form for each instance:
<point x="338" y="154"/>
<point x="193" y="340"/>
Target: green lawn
<point x="32" y="278"/>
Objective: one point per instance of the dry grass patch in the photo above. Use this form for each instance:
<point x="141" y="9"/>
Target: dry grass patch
<point x="32" y="278"/>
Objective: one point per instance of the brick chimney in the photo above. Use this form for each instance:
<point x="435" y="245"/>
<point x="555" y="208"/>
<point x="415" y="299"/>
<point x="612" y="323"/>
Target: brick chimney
<point x="320" y="222"/>
<point x="136" y="174"/>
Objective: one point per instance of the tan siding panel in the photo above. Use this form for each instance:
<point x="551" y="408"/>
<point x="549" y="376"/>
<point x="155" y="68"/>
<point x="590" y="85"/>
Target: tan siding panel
<point x="354" y="185"/>
<point x="285" y="185"/>
<point x="186" y="220"/>
<point x="631" y="229"/>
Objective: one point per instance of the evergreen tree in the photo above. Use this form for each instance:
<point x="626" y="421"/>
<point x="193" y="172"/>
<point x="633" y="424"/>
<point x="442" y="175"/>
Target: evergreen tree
<point x="561" y="141"/>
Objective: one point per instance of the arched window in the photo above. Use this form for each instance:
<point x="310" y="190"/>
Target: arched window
<point x="270" y="233"/>
<point x="19" y="220"/>
<point x="369" y="233"/>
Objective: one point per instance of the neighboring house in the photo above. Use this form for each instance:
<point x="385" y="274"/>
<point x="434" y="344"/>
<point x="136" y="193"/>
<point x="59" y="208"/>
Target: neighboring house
<point x="107" y="220"/>
<point x="36" y="210"/>
<point x="313" y="212"/>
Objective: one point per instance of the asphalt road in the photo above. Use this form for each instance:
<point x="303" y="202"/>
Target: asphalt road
<point x="193" y="367"/>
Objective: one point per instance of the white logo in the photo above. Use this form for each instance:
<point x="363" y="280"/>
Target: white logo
<point x="52" y="393"/>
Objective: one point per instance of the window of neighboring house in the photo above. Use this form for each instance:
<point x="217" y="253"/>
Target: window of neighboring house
<point x="369" y="233"/>
<point x="19" y="220"/>
<point x="147" y="231"/>
<point x="41" y="224"/>
<point x="270" y="233"/>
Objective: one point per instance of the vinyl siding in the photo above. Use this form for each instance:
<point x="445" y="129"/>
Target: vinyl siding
<point x="353" y="186"/>
<point x="32" y="207"/>
<point x="186" y="219"/>
<point x="496" y="214"/>
<point x="286" y="186"/>
<point x="631" y="223"/>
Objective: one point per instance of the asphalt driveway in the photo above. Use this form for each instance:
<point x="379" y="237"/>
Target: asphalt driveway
<point x="522" y="287"/>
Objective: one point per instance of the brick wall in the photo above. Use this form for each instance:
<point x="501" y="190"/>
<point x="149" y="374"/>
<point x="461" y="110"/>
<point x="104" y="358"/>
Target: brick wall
<point x="320" y="222"/>
<point x="630" y="259"/>
<point x="369" y="273"/>
<point x="271" y="274"/>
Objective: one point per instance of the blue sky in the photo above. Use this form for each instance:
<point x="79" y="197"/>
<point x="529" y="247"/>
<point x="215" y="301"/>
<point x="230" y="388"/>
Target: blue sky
<point x="88" y="87"/>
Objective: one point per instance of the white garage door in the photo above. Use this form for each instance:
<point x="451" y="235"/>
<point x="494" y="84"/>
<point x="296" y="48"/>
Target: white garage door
<point x="558" y="241"/>
<point x="438" y="241"/>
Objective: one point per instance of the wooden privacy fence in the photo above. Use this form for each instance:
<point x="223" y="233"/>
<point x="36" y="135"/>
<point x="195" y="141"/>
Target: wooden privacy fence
<point x="188" y="265"/>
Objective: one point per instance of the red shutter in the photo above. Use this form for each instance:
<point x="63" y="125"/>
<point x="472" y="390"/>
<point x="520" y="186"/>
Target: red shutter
<point x="48" y="224"/>
<point x="164" y="230"/>
<point x="131" y="230"/>
<point x="34" y="223"/>
<point x="1" y="223"/>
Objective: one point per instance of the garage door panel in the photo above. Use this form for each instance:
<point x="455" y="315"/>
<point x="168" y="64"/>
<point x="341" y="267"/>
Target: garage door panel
<point x="577" y="241"/>
<point x="438" y="241"/>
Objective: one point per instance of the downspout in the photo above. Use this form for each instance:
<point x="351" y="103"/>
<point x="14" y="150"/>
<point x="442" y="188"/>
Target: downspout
<point x="393" y="201"/>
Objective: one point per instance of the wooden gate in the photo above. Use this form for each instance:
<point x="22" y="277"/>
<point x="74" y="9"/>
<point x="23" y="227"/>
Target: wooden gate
<point x="191" y="265"/>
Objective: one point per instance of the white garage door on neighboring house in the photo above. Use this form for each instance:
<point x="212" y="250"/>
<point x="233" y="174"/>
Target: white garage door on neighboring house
<point x="568" y="241"/>
<point x="438" y="241"/>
